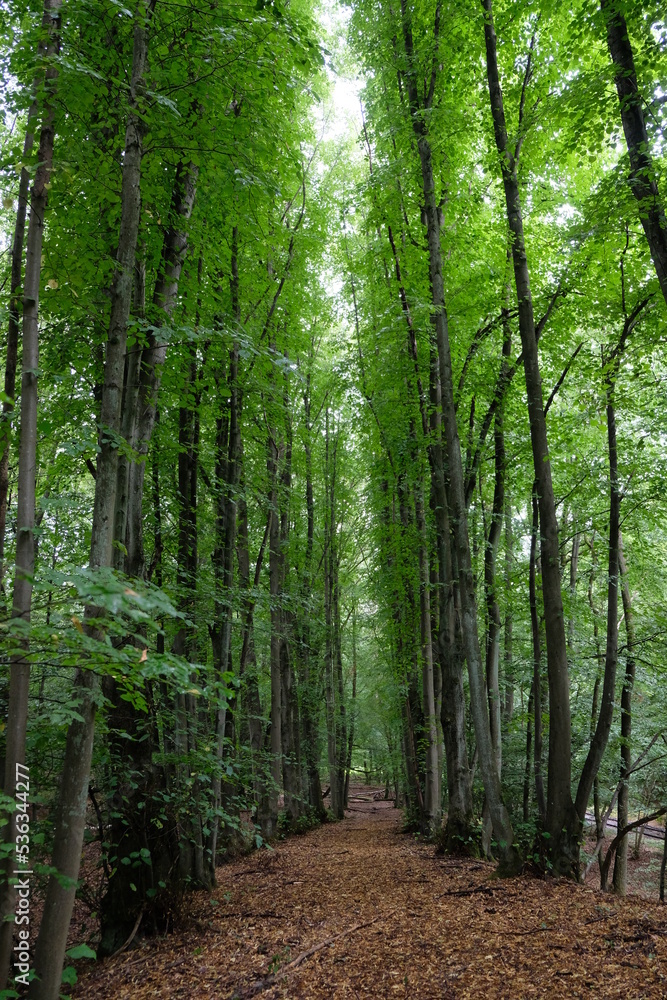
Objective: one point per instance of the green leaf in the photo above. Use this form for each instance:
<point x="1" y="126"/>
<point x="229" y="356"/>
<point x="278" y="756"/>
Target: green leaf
<point x="81" y="951"/>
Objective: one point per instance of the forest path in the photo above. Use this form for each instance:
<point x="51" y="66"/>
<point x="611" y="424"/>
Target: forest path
<point x="358" y="909"/>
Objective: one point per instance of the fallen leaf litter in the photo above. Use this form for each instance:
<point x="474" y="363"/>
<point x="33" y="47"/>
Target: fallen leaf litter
<point x="359" y="909"/>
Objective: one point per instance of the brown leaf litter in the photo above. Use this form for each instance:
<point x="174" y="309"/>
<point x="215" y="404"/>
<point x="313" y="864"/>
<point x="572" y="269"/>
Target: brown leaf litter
<point x="358" y="909"/>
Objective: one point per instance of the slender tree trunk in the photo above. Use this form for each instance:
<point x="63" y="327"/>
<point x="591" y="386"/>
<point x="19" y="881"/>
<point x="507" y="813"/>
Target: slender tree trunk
<point x="574" y="562"/>
<point x="603" y="726"/>
<point x="19" y="676"/>
<point x="311" y="693"/>
<point x="508" y="663"/>
<point x="13" y="327"/>
<point x="228" y="467"/>
<point x="562" y="823"/>
<point x="623" y="814"/>
<point x="529" y="754"/>
<point x="350" y="738"/>
<point x="289" y="723"/>
<point x="432" y="796"/>
<point x="271" y="819"/>
<point x="643" y="176"/>
<point x="458" y="829"/>
<point x="339" y="690"/>
<point x="493" y="623"/>
<point x="335" y="751"/>
<point x="191" y="862"/>
<point x="537" y="661"/>
<point x="663" y="866"/>
<point x="174" y="251"/>
<point x="247" y="659"/>
<point x="71" y="814"/>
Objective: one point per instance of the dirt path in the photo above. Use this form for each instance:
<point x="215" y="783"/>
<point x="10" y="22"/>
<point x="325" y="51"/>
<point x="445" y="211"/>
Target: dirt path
<point x="357" y="909"/>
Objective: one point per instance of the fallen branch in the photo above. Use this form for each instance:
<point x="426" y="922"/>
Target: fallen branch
<point x="486" y="889"/>
<point x="265" y="984"/>
<point x="130" y="938"/>
<point x="642" y="821"/>
<point x="607" y="813"/>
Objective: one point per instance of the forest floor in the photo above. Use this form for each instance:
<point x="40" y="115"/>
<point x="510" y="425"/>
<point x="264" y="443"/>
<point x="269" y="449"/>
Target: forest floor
<point x="359" y="909"/>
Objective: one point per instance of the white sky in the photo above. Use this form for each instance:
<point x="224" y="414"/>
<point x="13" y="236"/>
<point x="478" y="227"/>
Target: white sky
<point x="342" y="116"/>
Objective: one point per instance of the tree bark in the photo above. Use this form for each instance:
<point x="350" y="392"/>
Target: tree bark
<point x="273" y="457"/>
<point x="289" y="723"/>
<point x="174" y="251"/>
<point x="432" y="790"/>
<point x="536" y="691"/>
<point x="311" y="694"/>
<point x="603" y="726"/>
<point x="493" y="623"/>
<point x="350" y="737"/>
<point x="335" y="750"/>
<point x="508" y="662"/>
<point x="574" y="562"/>
<point x="228" y="468"/>
<point x="13" y="327"/>
<point x="623" y="813"/>
<point x="643" y="177"/>
<point x="19" y="671"/>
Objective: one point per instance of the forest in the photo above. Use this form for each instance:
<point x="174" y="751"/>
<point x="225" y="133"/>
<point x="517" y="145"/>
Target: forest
<point x="333" y="477"/>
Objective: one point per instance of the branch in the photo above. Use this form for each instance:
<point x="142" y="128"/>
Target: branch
<point x="522" y="103"/>
<point x="539" y="329"/>
<point x="428" y="98"/>
<point x="561" y="379"/>
<point x="617" y="791"/>
<point x="478" y="338"/>
<point x="642" y="821"/>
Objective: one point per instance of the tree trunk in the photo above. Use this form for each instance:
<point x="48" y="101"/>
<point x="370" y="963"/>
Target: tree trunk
<point x="562" y="823"/>
<point x="271" y="819"/>
<point x="311" y="696"/>
<point x="71" y="813"/>
<point x="536" y="691"/>
<point x="603" y="727"/>
<point x="174" y="251"/>
<point x="493" y="623"/>
<point x="643" y="176"/>
<point x="623" y="814"/>
<point x="529" y="754"/>
<point x="19" y="676"/>
<point x="335" y="750"/>
<point x="458" y="829"/>
<point x="508" y="663"/>
<point x="478" y="695"/>
<point x="13" y="327"/>
<point x="574" y="562"/>
<point x="432" y="796"/>
<point x="228" y="467"/>
<point x="350" y="738"/>
<point x="248" y="660"/>
<point x="289" y="723"/>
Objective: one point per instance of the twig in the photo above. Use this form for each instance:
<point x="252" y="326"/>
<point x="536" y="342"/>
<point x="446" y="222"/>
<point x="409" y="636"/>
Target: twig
<point x="265" y="984"/>
<point x="486" y="889"/>
<point x="131" y="937"/>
